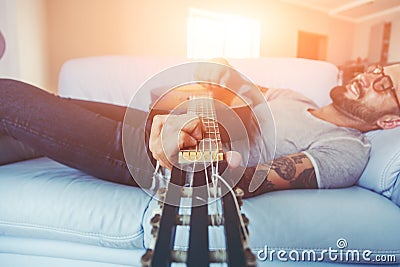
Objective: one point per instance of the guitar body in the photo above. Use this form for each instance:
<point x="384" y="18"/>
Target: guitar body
<point x="214" y="202"/>
<point x="235" y="116"/>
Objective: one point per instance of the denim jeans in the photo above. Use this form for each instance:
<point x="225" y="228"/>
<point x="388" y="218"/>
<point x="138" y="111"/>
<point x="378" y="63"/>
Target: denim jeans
<point x="81" y="134"/>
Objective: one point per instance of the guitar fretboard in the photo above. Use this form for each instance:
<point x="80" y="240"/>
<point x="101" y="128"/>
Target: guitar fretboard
<point x="209" y="149"/>
<point x="200" y="205"/>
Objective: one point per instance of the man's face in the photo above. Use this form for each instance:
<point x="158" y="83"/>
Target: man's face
<point x="363" y="97"/>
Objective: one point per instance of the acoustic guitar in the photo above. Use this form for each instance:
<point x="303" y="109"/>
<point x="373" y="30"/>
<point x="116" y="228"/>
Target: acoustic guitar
<point x="201" y="200"/>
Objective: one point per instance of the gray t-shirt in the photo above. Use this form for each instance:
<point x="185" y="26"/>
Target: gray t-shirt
<point x="338" y="154"/>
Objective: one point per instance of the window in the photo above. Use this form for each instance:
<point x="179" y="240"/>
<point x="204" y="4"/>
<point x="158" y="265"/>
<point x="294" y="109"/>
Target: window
<point x="220" y="35"/>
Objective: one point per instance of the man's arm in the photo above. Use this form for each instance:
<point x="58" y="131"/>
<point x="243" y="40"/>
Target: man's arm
<point x="289" y="172"/>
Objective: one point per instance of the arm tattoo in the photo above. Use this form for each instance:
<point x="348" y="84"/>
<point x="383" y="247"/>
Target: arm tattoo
<point x="298" y="159"/>
<point x="285" y="168"/>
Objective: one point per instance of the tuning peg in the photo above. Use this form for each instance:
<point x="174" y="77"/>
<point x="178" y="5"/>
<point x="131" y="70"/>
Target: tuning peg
<point x="245" y="219"/>
<point x="154" y="231"/>
<point x="250" y="258"/>
<point x="161" y="193"/>
<point x="146" y="258"/>
<point x="239" y="193"/>
<point x="155" y="222"/>
<point x="246" y="223"/>
<point x="160" y="204"/>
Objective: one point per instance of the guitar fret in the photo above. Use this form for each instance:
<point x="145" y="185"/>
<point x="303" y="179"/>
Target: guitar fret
<point x="211" y="136"/>
<point x="210" y="147"/>
<point x="212" y="133"/>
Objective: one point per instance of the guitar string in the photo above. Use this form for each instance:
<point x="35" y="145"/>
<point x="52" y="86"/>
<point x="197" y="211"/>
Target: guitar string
<point x="201" y="110"/>
<point x="210" y="113"/>
<point x="215" y="181"/>
<point x="203" y="103"/>
<point x="204" y="111"/>
<point x="215" y="177"/>
<point x="209" y="110"/>
<point x="214" y="170"/>
<point x="246" y="236"/>
<point x="218" y="177"/>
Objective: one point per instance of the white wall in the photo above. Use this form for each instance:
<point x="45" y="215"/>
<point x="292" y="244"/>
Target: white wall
<point x="42" y="34"/>
<point x="32" y="41"/>
<point x="158" y="28"/>
<point x="363" y="34"/>
<point x="22" y="23"/>
<point x="394" y="47"/>
<point x="9" y="63"/>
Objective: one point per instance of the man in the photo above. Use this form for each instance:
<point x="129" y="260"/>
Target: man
<point x="317" y="147"/>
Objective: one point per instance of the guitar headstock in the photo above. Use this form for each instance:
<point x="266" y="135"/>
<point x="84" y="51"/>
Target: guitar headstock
<point x="219" y="214"/>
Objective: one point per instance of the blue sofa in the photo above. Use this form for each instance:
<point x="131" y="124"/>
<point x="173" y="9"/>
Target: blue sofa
<point x="52" y="215"/>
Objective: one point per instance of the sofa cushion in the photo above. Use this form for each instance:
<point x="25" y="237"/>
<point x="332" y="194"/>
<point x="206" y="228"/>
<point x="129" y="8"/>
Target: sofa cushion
<point x="316" y="219"/>
<point x="110" y="79"/>
<point x="292" y="73"/>
<point x="41" y="198"/>
<point x="383" y="169"/>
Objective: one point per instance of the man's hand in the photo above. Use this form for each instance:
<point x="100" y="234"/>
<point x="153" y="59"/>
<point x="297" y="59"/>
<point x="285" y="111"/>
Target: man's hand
<point x="170" y="133"/>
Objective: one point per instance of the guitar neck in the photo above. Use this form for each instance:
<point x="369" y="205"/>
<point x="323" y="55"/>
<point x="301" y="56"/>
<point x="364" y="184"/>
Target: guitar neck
<point x="200" y="205"/>
<point x="209" y="148"/>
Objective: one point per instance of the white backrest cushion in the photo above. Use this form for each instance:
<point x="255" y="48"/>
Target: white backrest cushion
<point x="110" y="79"/>
<point x="313" y="78"/>
<point x="115" y="79"/>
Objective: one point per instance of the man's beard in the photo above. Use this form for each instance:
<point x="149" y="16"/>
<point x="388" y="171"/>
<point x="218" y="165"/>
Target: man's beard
<point x="355" y="108"/>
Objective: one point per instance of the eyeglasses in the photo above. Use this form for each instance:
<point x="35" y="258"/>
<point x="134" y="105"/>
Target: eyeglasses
<point x="384" y="82"/>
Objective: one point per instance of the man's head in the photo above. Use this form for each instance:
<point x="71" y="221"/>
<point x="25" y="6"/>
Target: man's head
<point x="372" y="97"/>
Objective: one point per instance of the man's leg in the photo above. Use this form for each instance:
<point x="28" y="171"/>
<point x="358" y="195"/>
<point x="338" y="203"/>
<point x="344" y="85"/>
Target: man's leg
<point x="110" y="111"/>
<point x="66" y="131"/>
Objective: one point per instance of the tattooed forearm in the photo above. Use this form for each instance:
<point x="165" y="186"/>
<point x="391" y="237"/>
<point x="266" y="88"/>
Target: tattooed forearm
<point x="295" y="169"/>
<point x="289" y="172"/>
<point x="285" y="167"/>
